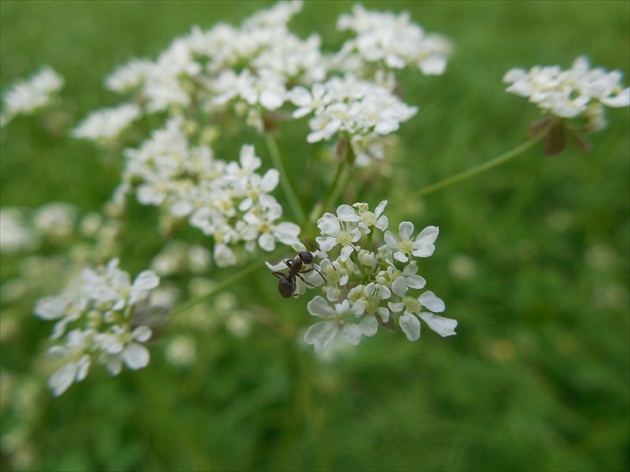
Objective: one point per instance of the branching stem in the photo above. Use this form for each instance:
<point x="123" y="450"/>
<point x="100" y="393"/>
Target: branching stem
<point x="454" y="179"/>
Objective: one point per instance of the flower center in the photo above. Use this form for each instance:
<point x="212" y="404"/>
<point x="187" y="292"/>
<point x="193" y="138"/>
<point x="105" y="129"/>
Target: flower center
<point x="405" y="246"/>
<point x="345" y="238"/>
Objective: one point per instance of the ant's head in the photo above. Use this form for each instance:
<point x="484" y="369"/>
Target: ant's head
<point x="306" y="257"/>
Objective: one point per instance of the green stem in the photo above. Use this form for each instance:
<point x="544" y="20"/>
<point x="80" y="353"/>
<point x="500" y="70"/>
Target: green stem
<point x="453" y="179"/>
<point x="285" y="178"/>
<point x="226" y="282"/>
<point x="337" y="185"/>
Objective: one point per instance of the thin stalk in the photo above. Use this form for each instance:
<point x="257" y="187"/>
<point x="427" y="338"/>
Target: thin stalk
<point x="454" y="179"/>
<point x="337" y="185"/>
<point x="286" y="180"/>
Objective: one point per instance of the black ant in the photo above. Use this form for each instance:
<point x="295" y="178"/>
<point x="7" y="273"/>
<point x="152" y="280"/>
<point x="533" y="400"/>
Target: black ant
<point x="287" y="282"/>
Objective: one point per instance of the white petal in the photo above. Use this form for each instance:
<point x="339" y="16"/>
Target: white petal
<point x="83" y="366"/>
<point x="347" y="213"/>
<point x="321" y="335"/>
<point x="136" y="356"/>
<point x="345" y="253"/>
<point x="621" y="100"/>
<point x="432" y="302"/>
<point x="390" y="239"/>
<point x="439" y="324"/>
<point x="399" y="256"/>
<point x="146" y="280"/>
<point x="410" y="326"/>
<point x="328" y="224"/>
<point x="400" y="286"/>
<point x="50" y="308"/>
<point x="318" y="306"/>
<point x="415" y="281"/>
<point x="379" y="209"/>
<point x="287" y="233"/>
<point x="300" y="96"/>
<point x="423" y="245"/>
<point x="142" y="333"/>
<point x="405" y="229"/>
<point x="396" y="307"/>
<point x="352" y="333"/>
<point x="267" y="242"/>
<point x="63" y="378"/>
<point x="369" y="325"/>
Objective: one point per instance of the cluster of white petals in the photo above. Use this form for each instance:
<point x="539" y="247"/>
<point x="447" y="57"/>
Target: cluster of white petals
<point x="577" y="92"/>
<point x="28" y="95"/>
<point x="16" y="232"/>
<point x="229" y="201"/>
<point x="389" y="41"/>
<point x="249" y="67"/>
<point x="108" y="123"/>
<point x="94" y="323"/>
<point x="369" y="277"/>
<point x="357" y="109"/>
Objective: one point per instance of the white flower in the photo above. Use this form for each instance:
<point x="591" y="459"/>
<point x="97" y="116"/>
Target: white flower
<point x="15" y="234"/>
<point x="363" y="110"/>
<point x="107" y="123"/>
<point x="412" y="307"/>
<point x="28" y="95"/>
<point x="578" y="91"/>
<point x="391" y="41"/>
<point x="371" y="288"/>
<point x="420" y="246"/>
<point x="56" y="219"/>
<point x="336" y="232"/>
<point x="98" y="307"/>
<point x="337" y="318"/>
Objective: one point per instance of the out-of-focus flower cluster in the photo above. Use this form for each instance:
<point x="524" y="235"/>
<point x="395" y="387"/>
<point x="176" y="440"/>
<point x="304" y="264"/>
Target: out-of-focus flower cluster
<point x="579" y="92"/>
<point x="385" y="41"/>
<point x="369" y="277"/>
<point x="95" y="323"/>
<point x="229" y="201"/>
<point x="30" y="94"/>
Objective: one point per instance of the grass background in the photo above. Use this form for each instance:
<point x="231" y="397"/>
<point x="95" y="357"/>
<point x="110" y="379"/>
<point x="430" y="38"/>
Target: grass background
<point x="537" y="377"/>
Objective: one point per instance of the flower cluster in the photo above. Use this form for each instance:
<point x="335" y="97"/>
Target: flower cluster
<point x="357" y="109"/>
<point x="577" y="92"/>
<point x="367" y="287"/>
<point x="250" y="67"/>
<point x="96" y="322"/>
<point x="389" y="41"/>
<point x="108" y="123"/>
<point x="31" y="94"/>
<point x="229" y="201"/>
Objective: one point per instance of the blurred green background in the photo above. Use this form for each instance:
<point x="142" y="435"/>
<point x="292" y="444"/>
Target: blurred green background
<point x="532" y="259"/>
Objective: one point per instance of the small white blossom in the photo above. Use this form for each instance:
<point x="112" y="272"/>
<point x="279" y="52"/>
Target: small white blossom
<point x="108" y="123"/>
<point x="420" y="246"/>
<point x="577" y="92"/>
<point x="338" y="319"/>
<point x="362" y="110"/>
<point x="391" y="41"/>
<point x="94" y="323"/>
<point x="30" y="94"/>
<point x="16" y="235"/>
<point x="229" y="201"/>
<point x="365" y="287"/>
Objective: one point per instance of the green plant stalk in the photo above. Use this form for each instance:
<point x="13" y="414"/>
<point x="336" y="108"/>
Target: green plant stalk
<point x="339" y="182"/>
<point x="454" y="179"/>
<point x="285" y="179"/>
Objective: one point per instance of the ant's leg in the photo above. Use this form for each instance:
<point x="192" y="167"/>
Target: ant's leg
<point x="279" y="275"/>
<point x="311" y="244"/>
<point x="314" y="269"/>
<point x="307" y="282"/>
